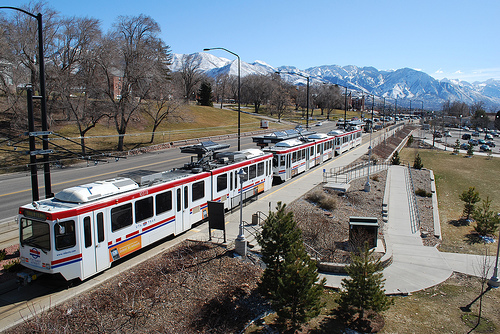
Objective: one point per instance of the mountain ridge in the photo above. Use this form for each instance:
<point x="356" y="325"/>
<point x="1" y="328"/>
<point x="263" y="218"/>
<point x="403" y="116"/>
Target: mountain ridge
<point x="404" y="84"/>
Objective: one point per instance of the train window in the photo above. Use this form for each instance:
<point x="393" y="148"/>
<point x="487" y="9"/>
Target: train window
<point x="246" y="174"/>
<point x="87" y="232"/>
<point x="121" y="217"/>
<point x="163" y="202"/>
<point x="312" y="151"/>
<point x="294" y="157"/>
<point x="35" y="233"/>
<point x="252" y="172"/>
<point x="260" y="169"/>
<point x="186" y="201"/>
<point x="221" y="182"/>
<point x="100" y="227"/>
<point x="198" y="190"/>
<point x="231" y="181"/>
<point x="65" y="234"/>
<point x="179" y="200"/>
<point x="282" y="160"/>
<point x="143" y="209"/>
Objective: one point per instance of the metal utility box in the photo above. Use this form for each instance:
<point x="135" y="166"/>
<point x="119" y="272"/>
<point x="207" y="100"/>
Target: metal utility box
<point x="363" y="229"/>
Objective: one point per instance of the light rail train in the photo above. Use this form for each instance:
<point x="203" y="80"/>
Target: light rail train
<point x="82" y="230"/>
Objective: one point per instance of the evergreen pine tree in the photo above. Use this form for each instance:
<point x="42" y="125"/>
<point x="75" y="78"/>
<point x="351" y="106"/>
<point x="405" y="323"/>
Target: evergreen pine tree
<point x="410" y="141"/>
<point x="290" y="280"/>
<point x="417" y="163"/>
<point x="470" y="197"/>
<point x="395" y="158"/>
<point x="487" y="221"/>
<point x="456" y="148"/>
<point x="470" y="150"/>
<point x="205" y="94"/>
<point x="363" y="290"/>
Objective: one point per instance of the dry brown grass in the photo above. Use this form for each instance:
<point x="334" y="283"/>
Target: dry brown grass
<point x="454" y="174"/>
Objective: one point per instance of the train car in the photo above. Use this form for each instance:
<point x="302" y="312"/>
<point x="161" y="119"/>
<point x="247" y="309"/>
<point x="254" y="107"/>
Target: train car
<point x="82" y="230"/>
<point x="345" y="141"/>
<point x="294" y="156"/>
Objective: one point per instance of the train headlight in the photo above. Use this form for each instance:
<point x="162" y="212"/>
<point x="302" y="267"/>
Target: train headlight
<point x="46" y="265"/>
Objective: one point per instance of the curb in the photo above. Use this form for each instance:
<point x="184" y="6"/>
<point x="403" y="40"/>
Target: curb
<point x="435" y="208"/>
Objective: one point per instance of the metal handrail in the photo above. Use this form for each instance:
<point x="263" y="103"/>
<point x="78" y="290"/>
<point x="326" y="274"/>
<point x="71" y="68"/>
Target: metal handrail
<point x="412" y="202"/>
<point x="319" y="256"/>
<point x="354" y="171"/>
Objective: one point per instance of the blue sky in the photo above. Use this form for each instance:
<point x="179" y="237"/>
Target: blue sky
<point x="453" y="39"/>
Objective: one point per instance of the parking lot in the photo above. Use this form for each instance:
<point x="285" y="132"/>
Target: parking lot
<point x="481" y="141"/>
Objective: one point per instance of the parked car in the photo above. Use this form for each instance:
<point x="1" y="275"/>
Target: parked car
<point x="464" y="146"/>
<point x="447" y="134"/>
<point x="490" y="143"/>
<point x="437" y="134"/>
<point x="475" y="134"/>
<point x="485" y="148"/>
<point x="481" y="142"/>
<point x="473" y="142"/>
<point x="466" y="136"/>
<point x="494" y="133"/>
<point x="488" y="136"/>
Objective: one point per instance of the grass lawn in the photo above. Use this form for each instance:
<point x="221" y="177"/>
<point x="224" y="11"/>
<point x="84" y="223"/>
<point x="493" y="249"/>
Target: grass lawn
<point x="454" y="174"/>
<point x="191" y="121"/>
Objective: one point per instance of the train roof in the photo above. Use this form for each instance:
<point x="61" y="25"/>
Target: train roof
<point x="277" y="136"/>
<point x="130" y="181"/>
<point x="317" y="136"/>
<point x="96" y="190"/>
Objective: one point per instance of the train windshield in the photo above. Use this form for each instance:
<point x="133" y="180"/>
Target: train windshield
<point x="35" y="233"/>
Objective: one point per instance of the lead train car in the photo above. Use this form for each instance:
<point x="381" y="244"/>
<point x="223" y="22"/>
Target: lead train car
<point x="83" y="229"/>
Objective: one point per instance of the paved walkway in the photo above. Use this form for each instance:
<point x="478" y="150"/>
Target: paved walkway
<point x="415" y="266"/>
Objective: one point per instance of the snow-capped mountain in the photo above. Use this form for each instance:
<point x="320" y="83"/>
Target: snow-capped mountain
<point x="402" y="84"/>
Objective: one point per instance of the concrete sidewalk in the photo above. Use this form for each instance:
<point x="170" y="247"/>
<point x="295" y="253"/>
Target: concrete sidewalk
<point x="414" y="266"/>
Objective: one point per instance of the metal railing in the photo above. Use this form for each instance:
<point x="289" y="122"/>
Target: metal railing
<point x="412" y="201"/>
<point x="346" y="174"/>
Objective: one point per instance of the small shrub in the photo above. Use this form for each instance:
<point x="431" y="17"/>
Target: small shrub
<point x="324" y="201"/>
<point x="3" y="254"/>
<point x="375" y="178"/>
<point x="315" y="196"/>
<point x="12" y="266"/>
<point x="422" y="193"/>
<point x="328" y="203"/>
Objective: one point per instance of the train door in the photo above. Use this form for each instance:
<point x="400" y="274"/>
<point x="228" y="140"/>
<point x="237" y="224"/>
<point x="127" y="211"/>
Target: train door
<point x="94" y="247"/>
<point x="288" y="166"/>
<point x="101" y="244"/>
<point x="87" y="248"/>
<point x="182" y="222"/>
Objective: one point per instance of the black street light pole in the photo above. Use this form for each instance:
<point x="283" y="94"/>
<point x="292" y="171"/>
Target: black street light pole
<point x="307" y="107"/>
<point x="239" y="90"/>
<point x="42" y="97"/>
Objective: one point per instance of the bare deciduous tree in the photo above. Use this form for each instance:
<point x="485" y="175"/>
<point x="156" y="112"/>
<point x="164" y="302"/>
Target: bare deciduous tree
<point x="161" y="105"/>
<point x="133" y="56"/>
<point x="190" y="75"/>
<point x="255" y="89"/>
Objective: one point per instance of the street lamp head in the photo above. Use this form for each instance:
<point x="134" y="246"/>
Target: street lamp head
<point x="207" y="49"/>
<point x="241" y="174"/>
